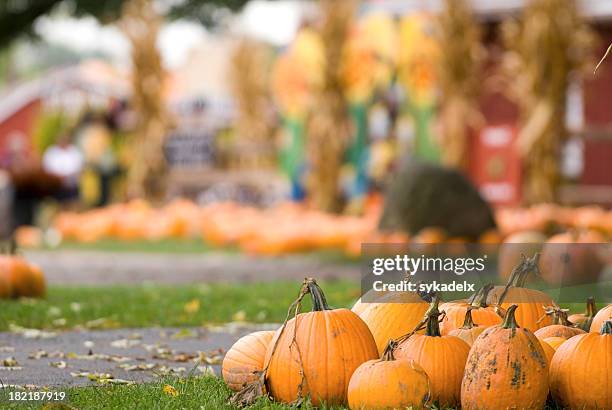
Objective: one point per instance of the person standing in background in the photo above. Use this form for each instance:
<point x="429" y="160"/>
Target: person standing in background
<point x="64" y="160"/>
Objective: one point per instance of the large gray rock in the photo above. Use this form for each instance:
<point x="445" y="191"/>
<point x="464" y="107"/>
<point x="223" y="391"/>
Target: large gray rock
<point x="427" y="195"/>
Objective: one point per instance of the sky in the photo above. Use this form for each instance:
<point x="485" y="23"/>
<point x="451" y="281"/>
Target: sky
<point x="274" y="22"/>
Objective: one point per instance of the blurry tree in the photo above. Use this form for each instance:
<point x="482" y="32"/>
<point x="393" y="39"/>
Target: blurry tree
<point x="459" y="78"/>
<point x="550" y="43"/>
<point x="328" y="127"/>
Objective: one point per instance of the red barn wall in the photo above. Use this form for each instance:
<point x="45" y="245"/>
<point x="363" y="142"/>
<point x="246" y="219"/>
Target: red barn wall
<point x="21" y="122"/>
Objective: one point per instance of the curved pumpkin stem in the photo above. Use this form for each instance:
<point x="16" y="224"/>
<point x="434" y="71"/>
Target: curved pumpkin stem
<point x="388" y="353"/>
<point x="510" y="320"/>
<point x="520" y="273"/>
<point x="479" y="300"/>
<point x="606" y="328"/>
<point x="319" y="303"/>
<point x="432" y="314"/>
<point x="468" y="322"/>
<point x="559" y="315"/>
<point x="591" y="309"/>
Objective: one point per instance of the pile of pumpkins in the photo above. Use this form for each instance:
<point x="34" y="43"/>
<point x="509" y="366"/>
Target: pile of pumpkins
<point x="404" y="352"/>
<point x="20" y="278"/>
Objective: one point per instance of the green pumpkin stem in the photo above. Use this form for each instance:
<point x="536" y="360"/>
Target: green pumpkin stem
<point x="319" y="303"/>
<point x="510" y="320"/>
<point x="432" y="314"/>
<point x="591" y="309"/>
<point x="606" y="328"/>
<point x="479" y="300"/>
<point x="468" y="322"/>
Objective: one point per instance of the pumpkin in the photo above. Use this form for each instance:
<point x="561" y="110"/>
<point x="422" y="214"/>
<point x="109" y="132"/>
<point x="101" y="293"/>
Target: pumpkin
<point x="584" y="320"/>
<point x="506" y="368"/>
<point x="549" y="351"/>
<point x="245" y="359"/>
<point x="515" y="245"/>
<point x="554" y="341"/>
<point x="572" y="258"/>
<point x="394" y="315"/>
<point x="456" y="311"/>
<point x="442" y="357"/>
<point x="26" y="280"/>
<point x="530" y="313"/>
<point x="561" y="326"/>
<point x="389" y="384"/>
<point x="316" y="353"/>
<point x="601" y="316"/>
<point x="580" y="374"/>
<point x="6" y="287"/>
<point x="469" y="331"/>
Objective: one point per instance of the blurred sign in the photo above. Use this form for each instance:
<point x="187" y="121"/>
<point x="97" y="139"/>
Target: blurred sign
<point x="186" y="149"/>
<point x="496" y="166"/>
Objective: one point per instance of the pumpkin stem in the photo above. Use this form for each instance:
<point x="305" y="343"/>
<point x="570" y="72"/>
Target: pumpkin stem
<point x="319" y="303"/>
<point x="468" y="322"/>
<point x="432" y="314"/>
<point x="591" y="309"/>
<point x="388" y="353"/>
<point x="606" y="328"/>
<point x="520" y="273"/>
<point x="510" y="320"/>
<point x="559" y="315"/>
<point x="479" y="300"/>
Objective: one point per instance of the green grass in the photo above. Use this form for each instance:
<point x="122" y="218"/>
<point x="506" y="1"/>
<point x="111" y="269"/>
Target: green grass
<point x="154" y="305"/>
<point x="162" y="246"/>
<point x="193" y="393"/>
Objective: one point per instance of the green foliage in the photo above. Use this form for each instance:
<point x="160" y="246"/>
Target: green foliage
<point x="18" y="16"/>
<point x="48" y="128"/>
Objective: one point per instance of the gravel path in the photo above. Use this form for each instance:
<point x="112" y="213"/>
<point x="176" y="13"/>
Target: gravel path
<point x="78" y="267"/>
<point x="134" y="355"/>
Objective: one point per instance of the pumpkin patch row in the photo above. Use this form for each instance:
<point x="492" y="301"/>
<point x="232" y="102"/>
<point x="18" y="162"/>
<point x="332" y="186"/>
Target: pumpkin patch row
<point x="416" y="353"/>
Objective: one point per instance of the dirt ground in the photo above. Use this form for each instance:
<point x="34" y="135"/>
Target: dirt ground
<point x="80" y="267"/>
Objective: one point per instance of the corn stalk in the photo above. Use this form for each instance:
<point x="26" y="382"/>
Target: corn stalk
<point x="328" y="126"/>
<point x="147" y="173"/>
<point x="551" y="43"/>
<point x="459" y="78"/>
<point x="249" y="76"/>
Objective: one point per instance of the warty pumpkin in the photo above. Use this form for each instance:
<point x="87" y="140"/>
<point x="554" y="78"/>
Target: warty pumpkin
<point x="245" y="359"/>
<point x="506" y="368"/>
<point x="580" y="372"/>
<point x="599" y="319"/>
<point x="442" y="357"/>
<point x="482" y="313"/>
<point x="554" y="341"/>
<point x="316" y="353"/>
<point x="561" y="326"/>
<point x="530" y="313"/>
<point x="389" y="384"/>
<point x="469" y="331"/>
<point x="584" y="320"/>
<point x="392" y="316"/>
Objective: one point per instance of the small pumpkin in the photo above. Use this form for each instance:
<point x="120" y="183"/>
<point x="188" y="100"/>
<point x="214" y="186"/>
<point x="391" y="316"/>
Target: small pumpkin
<point x="554" y="341"/>
<point x="601" y="316"/>
<point x="482" y="313"/>
<point x="393" y="315"/>
<point x="561" y="326"/>
<point x="442" y="357"/>
<point x="579" y="376"/>
<point x="245" y="359"/>
<point x="27" y="280"/>
<point x="389" y="384"/>
<point x="530" y="313"/>
<point x="469" y="331"/>
<point x="316" y="353"/>
<point x="506" y="368"/>
<point x="584" y="320"/>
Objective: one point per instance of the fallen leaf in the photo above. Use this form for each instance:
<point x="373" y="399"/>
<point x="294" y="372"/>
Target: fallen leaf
<point x="183" y="334"/>
<point x="31" y="333"/>
<point x="60" y="365"/>
<point x="7" y="349"/>
<point x="125" y="343"/>
<point x="75" y="307"/>
<point x="54" y="311"/>
<point x="9" y="362"/>
<point x="61" y="322"/>
<point x="37" y="355"/>
<point x="239" y="316"/>
<point x="170" y="390"/>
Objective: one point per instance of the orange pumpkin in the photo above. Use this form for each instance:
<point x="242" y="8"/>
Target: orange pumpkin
<point x="389" y="384"/>
<point x="599" y="319"/>
<point x="580" y="375"/>
<point x="549" y="351"/>
<point x="584" y="320"/>
<point x="442" y="357"/>
<point x="555" y="341"/>
<point x="515" y="245"/>
<point x="530" y="313"/>
<point x="506" y="368"/>
<point x="316" y="353"/>
<point x="572" y="258"/>
<point x="456" y="311"/>
<point x="561" y="326"/>
<point x="6" y="287"/>
<point x="245" y="359"/>
<point x="26" y="280"/>
<point x="393" y="316"/>
<point x="469" y="331"/>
